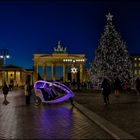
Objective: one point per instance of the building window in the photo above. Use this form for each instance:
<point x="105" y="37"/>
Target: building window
<point x="135" y="65"/>
<point x="135" y="58"/>
<point x="139" y="64"/>
<point x="139" y="58"/>
<point x="135" y="72"/>
<point x="139" y="72"/>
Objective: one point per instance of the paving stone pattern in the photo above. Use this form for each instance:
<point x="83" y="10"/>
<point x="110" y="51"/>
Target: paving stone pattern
<point x="124" y="111"/>
<point x="60" y="121"/>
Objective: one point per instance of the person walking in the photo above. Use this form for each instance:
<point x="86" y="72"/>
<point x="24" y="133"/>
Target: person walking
<point x="106" y="90"/>
<point x="5" y="90"/>
<point x="137" y="84"/>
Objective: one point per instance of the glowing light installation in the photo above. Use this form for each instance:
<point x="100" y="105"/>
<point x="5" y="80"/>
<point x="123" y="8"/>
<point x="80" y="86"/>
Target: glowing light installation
<point x="74" y="70"/>
<point x="47" y="85"/>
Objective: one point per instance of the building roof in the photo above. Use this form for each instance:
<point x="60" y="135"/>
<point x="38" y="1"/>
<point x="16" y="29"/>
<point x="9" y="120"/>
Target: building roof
<point x="29" y="69"/>
<point x="12" y="67"/>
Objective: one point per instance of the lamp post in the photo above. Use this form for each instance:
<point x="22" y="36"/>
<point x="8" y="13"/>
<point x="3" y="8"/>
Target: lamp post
<point x="4" y="55"/>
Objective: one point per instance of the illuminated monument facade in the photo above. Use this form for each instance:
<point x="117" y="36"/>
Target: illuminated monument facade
<point x="16" y="75"/>
<point x="73" y="68"/>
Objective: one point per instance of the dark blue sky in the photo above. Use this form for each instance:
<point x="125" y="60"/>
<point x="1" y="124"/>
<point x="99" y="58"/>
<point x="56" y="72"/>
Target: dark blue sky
<point x="29" y="27"/>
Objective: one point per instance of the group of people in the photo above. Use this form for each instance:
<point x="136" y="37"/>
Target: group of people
<point x="28" y="92"/>
<point x="107" y="88"/>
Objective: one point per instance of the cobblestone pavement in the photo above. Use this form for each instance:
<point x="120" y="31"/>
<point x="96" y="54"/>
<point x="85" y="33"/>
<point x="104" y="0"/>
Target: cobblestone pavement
<point x="124" y="111"/>
<point x="61" y="121"/>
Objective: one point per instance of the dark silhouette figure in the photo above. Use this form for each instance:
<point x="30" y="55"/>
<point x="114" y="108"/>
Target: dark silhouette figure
<point x="117" y="87"/>
<point x="5" y="90"/>
<point x="71" y="101"/>
<point x="28" y="92"/>
<point x="106" y="90"/>
<point x="137" y="83"/>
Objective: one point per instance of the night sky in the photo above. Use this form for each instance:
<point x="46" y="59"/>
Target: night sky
<point x="29" y="27"/>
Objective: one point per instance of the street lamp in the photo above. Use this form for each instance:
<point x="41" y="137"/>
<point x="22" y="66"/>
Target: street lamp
<point x="4" y="55"/>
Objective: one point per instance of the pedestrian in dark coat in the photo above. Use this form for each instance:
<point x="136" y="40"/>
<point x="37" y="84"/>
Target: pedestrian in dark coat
<point x="137" y="83"/>
<point x="28" y="92"/>
<point x="106" y="90"/>
<point x="5" y="90"/>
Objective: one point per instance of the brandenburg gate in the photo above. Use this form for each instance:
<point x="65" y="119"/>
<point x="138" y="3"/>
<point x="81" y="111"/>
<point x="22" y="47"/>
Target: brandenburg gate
<point x="74" y="62"/>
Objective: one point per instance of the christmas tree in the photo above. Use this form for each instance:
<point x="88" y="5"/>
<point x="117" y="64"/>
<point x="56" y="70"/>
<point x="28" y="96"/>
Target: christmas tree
<point x="111" y="56"/>
<point x="91" y="77"/>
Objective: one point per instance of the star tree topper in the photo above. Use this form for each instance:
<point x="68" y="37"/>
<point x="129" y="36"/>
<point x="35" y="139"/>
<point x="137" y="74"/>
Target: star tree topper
<point x="109" y="17"/>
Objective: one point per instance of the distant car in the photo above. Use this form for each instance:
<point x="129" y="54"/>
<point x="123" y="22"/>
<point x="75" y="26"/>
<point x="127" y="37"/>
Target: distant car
<point x="51" y="92"/>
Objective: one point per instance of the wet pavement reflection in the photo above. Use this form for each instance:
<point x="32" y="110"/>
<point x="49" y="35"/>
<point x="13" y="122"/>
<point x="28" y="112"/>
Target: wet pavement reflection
<point x="57" y="121"/>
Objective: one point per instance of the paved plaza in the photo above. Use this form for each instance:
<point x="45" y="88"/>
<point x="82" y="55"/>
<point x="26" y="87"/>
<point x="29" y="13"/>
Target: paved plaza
<point x="60" y="121"/>
<point x="123" y="112"/>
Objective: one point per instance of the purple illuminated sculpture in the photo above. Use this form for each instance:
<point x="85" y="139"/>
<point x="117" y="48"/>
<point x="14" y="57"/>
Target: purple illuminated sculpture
<point x="51" y="92"/>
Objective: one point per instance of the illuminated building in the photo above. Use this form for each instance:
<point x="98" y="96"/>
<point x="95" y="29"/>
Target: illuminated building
<point x="136" y="64"/>
<point x="16" y="74"/>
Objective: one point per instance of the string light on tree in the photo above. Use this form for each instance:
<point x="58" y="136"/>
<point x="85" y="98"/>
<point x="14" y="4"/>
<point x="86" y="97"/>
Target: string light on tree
<point x="111" y="56"/>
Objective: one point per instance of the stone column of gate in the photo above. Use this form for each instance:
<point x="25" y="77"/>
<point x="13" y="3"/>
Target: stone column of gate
<point x="81" y="73"/>
<point x="3" y="77"/>
<point x="21" y="80"/>
<point x="72" y="74"/>
<point x="35" y="72"/>
<point x="75" y="75"/>
<point x="53" y="72"/>
<point x="44" y="72"/>
<point x="14" y="77"/>
<point x="7" y="76"/>
<point x="32" y="79"/>
<point x="64" y="73"/>
<point x="1" y="80"/>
